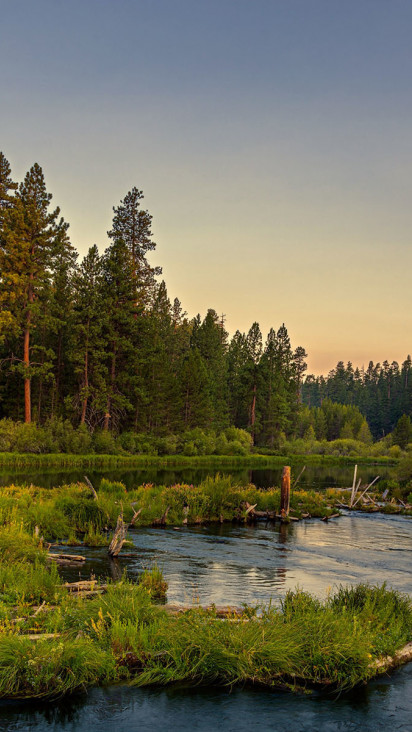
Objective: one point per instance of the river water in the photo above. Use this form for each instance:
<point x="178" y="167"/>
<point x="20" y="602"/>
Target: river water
<point x="234" y="565"/>
<point x="228" y="564"/>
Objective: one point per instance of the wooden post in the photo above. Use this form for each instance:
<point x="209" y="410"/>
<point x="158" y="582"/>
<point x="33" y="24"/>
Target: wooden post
<point x="285" y="491"/>
<point x="352" y="497"/>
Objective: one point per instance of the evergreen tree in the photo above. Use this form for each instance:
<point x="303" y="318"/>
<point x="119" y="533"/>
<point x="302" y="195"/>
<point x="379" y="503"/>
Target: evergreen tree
<point x="210" y="339"/>
<point x="402" y="433"/>
<point x="132" y="226"/>
<point x="87" y="345"/>
<point x="121" y="334"/>
<point x="6" y="186"/>
<point x="26" y="259"/>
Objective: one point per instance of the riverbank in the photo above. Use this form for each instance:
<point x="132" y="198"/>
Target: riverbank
<point x="67" y="460"/>
<point x="54" y="641"/>
<point x="76" y="513"/>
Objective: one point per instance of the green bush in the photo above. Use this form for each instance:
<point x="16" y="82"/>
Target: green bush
<point x="82" y="512"/>
<point x="31" y="438"/>
<point x="128" y="442"/>
<point x="104" y="443"/>
<point x="8" y="430"/>
<point x="116" y="489"/>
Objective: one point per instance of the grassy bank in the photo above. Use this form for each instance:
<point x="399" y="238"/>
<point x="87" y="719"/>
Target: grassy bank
<point x="66" y="460"/>
<point x="53" y="642"/>
<point x="72" y="513"/>
<point x="69" y="643"/>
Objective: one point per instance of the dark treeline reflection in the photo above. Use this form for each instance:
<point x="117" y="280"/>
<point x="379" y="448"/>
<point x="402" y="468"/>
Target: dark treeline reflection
<point x="316" y="477"/>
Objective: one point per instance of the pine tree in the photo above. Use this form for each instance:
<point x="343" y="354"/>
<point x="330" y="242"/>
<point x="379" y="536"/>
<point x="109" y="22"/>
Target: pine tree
<point x="26" y="258"/>
<point x="210" y="339"/>
<point x="121" y="333"/>
<point x="87" y="345"/>
<point x="6" y="185"/>
<point x="132" y="226"/>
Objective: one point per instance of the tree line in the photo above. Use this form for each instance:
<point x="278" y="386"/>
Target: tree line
<point x="382" y="392"/>
<point x="98" y="341"/>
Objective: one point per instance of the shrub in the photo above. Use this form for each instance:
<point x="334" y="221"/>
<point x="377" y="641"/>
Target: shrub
<point x="116" y="489"/>
<point x="31" y="438"/>
<point x="128" y="441"/>
<point x="153" y="581"/>
<point x="8" y="430"/>
<point x="104" y="443"/>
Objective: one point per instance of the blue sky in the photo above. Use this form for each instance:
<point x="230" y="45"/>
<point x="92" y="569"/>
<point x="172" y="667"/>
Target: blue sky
<point x="272" y="140"/>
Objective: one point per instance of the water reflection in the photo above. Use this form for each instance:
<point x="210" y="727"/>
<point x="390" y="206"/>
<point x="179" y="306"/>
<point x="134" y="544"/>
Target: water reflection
<point x="233" y="564"/>
<point x="253" y="564"/>
<point x="384" y="702"/>
<point x="315" y="476"/>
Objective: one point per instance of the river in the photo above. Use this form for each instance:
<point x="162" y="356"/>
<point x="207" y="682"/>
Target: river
<point x="228" y="564"/>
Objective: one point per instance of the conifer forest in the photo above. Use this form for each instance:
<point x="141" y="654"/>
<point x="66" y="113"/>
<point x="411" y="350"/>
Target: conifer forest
<point x="98" y="343"/>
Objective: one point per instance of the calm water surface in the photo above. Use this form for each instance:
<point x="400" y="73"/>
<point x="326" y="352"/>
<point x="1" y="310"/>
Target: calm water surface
<point x="314" y="476"/>
<point x="247" y="564"/>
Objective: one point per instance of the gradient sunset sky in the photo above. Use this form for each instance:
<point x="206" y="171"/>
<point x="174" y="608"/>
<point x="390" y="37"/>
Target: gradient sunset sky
<point x="272" y="140"/>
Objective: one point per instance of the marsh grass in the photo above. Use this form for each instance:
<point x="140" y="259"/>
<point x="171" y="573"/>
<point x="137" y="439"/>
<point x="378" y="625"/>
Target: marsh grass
<point x="100" y="461"/>
<point x="123" y="636"/>
<point x="71" y="514"/>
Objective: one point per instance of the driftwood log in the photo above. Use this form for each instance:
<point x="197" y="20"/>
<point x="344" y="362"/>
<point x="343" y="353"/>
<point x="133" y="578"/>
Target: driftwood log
<point x="254" y="514"/>
<point x="120" y="533"/>
<point x="67" y="559"/>
<point x="162" y="520"/>
<point x="89" y="483"/>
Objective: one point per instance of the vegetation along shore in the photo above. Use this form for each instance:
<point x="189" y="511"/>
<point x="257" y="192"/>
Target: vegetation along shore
<point x="58" y="637"/>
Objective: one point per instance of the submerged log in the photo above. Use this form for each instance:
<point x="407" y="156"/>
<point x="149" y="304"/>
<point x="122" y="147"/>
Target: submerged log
<point x="388" y="663"/>
<point x="221" y="611"/>
<point x="66" y="558"/>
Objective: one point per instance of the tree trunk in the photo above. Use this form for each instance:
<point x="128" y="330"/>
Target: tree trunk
<point x="26" y="361"/>
<point x="187" y="407"/>
<point x="253" y="413"/>
<point x="58" y="370"/>
<point x="107" y="416"/>
<point x="26" y="358"/>
<point x="86" y="380"/>
<point x="285" y="491"/>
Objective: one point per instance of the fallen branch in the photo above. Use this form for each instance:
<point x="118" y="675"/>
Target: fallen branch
<point x="162" y="520"/>
<point x="366" y="490"/>
<point x="299" y="477"/>
<point x="120" y="532"/>
<point x="66" y="558"/>
<point x="91" y="488"/>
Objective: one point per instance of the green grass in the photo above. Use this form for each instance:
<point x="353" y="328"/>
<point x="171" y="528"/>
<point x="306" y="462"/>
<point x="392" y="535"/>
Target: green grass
<point x="122" y="636"/>
<point x="71" y="514"/>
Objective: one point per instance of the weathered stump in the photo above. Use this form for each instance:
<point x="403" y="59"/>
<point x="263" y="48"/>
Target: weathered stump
<point x="285" y="492"/>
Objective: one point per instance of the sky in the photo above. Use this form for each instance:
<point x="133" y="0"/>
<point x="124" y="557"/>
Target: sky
<point x="271" y="138"/>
